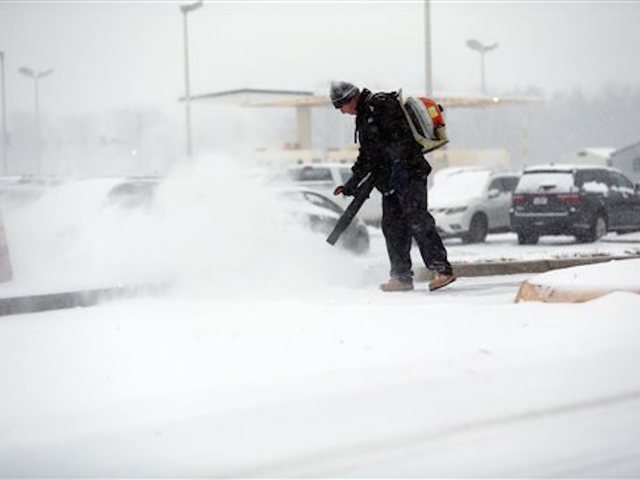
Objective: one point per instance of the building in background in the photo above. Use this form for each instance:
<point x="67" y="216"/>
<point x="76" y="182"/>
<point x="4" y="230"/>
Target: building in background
<point x="589" y="156"/>
<point x="627" y="160"/>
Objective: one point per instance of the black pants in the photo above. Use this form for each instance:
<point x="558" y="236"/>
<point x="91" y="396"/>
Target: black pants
<point x="405" y="216"/>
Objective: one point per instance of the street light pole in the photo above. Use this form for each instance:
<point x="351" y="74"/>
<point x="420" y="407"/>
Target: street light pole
<point x="5" y="136"/>
<point x="474" y="44"/>
<point x="427" y="45"/>
<point x="28" y="72"/>
<point x="187" y="95"/>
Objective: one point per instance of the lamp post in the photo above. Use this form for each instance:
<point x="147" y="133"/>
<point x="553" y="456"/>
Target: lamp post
<point x="5" y="136"/>
<point x="187" y="95"/>
<point x="474" y="44"/>
<point x="427" y="49"/>
<point x="36" y="76"/>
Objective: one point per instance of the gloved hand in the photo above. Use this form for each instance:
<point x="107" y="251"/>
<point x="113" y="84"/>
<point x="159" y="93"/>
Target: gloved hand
<point x="347" y="190"/>
<point x="350" y="188"/>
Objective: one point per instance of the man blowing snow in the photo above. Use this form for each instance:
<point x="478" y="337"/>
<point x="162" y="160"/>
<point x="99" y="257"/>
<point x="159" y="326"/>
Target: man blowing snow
<point x="389" y="152"/>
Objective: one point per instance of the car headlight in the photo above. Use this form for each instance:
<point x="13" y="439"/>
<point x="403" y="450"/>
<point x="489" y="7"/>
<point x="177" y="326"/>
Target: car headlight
<point x="451" y="211"/>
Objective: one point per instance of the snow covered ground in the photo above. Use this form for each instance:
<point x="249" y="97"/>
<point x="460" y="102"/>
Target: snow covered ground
<point x="503" y="247"/>
<point x="276" y="356"/>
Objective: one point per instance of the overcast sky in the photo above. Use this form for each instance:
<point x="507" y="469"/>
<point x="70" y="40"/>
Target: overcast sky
<point x="119" y="54"/>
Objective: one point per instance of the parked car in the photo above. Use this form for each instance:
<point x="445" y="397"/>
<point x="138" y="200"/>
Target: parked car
<point x="20" y="190"/>
<point x="470" y="202"/>
<point x="321" y="215"/>
<point x="585" y="201"/>
<point x="325" y="177"/>
<point x="133" y="192"/>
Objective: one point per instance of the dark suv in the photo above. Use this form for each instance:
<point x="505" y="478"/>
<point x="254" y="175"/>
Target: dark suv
<point x="585" y="201"/>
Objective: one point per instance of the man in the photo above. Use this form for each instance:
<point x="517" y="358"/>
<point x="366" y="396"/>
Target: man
<point x="389" y="152"/>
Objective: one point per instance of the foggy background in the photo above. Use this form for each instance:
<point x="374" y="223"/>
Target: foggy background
<point x="111" y="104"/>
<point x="263" y="333"/>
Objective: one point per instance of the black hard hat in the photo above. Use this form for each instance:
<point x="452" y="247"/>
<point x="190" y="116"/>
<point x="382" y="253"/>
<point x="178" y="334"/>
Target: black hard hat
<point x="342" y="93"/>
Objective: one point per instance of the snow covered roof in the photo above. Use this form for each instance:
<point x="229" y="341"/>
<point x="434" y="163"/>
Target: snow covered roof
<point x="562" y="167"/>
<point x="252" y="97"/>
<point x="603" y="152"/>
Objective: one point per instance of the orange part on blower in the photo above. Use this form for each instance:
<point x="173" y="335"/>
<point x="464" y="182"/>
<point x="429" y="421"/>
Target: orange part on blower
<point x="434" y="111"/>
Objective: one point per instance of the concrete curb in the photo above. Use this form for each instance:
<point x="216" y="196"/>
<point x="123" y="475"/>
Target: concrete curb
<point x="481" y="269"/>
<point x="79" y="298"/>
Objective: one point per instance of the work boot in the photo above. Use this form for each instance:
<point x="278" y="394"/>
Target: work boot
<point x="396" y="285"/>
<point x="441" y="280"/>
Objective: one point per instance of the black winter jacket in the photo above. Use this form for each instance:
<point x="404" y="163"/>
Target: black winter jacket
<point x="387" y="147"/>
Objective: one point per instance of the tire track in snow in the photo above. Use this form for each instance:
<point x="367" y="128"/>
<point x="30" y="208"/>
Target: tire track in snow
<point x="307" y="464"/>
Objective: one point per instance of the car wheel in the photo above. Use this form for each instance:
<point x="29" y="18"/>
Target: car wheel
<point x="356" y="242"/>
<point x="597" y="230"/>
<point x="528" y="238"/>
<point x="362" y="243"/>
<point x="478" y="229"/>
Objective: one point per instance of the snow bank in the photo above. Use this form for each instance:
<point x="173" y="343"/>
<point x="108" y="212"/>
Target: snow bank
<point x="583" y="283"/>
<point x="613" y="275"/>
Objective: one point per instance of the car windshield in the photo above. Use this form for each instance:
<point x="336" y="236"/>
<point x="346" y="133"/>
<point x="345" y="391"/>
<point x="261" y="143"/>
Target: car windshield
<point x="542" y="181"/>
<point x="459" y="184"/>
<point x="345" y="174"/>
<point x="321" y="201"/>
